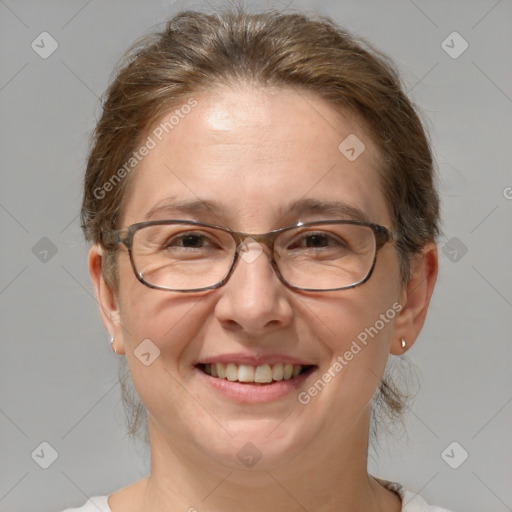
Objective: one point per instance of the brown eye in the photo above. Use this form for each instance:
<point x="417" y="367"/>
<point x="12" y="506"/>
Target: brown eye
<point x="188" y="240"/>
<point x="318" y="240"/>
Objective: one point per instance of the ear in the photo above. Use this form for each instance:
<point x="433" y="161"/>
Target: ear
<point x="415" y="298"/>
<point x="109" y="311"/>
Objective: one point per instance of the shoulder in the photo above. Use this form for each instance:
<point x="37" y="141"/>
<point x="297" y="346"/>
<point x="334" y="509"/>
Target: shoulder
<point x="94" y="504"/>
<point x="411" y="502"/>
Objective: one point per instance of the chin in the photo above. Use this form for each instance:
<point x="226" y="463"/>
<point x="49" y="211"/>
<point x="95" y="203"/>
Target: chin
<point x="257" y="445"/>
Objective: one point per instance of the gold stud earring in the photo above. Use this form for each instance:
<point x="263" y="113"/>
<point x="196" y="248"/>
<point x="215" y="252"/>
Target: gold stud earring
<point x="403" y="343"/>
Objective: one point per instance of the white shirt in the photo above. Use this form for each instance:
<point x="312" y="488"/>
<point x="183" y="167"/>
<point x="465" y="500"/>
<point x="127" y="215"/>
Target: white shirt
<point x="410" y="502"/>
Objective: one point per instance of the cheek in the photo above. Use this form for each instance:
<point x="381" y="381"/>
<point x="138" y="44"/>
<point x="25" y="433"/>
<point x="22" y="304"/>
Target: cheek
<point x="362" y="314"/>
<point x="357" y="329"/>
<point x="169" y="322"/>
<point x="361" y="329"/>
<point x="359" y="352"/>
<point x="372" y="312"/>
<point x="161" y="331"/>
<point x="167" y="319"/>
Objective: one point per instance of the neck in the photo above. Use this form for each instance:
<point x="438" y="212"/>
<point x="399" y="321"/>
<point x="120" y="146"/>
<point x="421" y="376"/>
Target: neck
<point x="328" y="475"/>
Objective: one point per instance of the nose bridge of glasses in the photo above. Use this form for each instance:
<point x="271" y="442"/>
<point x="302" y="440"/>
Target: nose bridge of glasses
<point x="262" y="239"/>
<point x="252" y="247"/>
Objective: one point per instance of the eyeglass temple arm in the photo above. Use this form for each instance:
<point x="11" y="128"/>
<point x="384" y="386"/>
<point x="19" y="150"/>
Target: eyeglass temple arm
<point x="111" y="237"/>
<point x="384" y="235"/>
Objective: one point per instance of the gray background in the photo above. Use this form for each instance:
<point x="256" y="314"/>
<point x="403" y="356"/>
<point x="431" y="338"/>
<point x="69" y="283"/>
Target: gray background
<point x="58" y="376"/>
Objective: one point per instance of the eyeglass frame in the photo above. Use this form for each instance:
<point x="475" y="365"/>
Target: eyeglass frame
<point x="382" y="236"/>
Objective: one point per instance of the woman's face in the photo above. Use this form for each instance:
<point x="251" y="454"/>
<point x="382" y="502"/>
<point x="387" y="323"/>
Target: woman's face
<point x="253" y="153"/>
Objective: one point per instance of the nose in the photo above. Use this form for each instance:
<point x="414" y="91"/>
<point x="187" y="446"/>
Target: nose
<point x="253" y="300"/>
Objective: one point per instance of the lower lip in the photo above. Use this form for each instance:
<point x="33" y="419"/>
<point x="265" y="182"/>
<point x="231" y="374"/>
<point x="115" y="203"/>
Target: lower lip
<point x="256" y="393"/>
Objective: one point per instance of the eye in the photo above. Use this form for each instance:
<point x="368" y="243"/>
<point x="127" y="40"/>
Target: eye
<point x="190" y="240"/>
<point x="317" y="240"/>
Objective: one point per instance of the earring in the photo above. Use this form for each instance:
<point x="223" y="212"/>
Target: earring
<point x="403" y="343"/>
<point x="112" y="345"/>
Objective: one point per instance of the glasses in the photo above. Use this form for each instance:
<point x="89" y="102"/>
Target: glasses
<point x="190" y="256"/>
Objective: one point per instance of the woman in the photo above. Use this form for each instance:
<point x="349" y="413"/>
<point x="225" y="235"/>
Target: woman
<point x="259" y="197"/>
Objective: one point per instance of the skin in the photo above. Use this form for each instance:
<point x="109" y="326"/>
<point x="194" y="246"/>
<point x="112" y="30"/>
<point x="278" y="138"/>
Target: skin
<point x="252" y="150"/>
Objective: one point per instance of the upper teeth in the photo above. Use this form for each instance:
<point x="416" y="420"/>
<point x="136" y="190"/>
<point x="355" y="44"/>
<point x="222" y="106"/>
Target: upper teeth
<point x="246" y="373"/>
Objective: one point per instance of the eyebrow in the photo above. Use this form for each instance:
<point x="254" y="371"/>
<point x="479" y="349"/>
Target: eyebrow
<point x="303" y="206"/>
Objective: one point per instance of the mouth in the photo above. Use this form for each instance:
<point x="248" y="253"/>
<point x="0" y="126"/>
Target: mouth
<point x="264" y="374"/>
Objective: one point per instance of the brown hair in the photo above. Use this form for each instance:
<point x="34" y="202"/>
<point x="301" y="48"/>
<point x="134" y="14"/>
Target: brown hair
<point x="196" y="51"/>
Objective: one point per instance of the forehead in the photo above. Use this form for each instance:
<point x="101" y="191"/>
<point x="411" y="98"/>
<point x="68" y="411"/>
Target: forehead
<point x="252" y="151"/>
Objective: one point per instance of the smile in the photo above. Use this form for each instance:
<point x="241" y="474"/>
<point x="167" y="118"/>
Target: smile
<point x="262" y="374"/>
